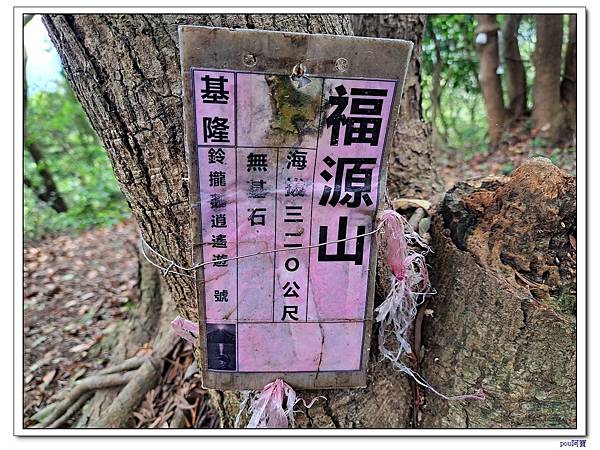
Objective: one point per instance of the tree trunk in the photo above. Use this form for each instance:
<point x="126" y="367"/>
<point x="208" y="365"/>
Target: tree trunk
<point x="504" y="316"/>
<point x="489" y="80"/>
<point x="568" y="87"/>
<point x="548" y="111"/>
<point x="515" y="71"/>
<point x="125" y="71"/>
<point x="48" y="192"/>
<point x="412" y="169"/>
<point x="436" y="94"/>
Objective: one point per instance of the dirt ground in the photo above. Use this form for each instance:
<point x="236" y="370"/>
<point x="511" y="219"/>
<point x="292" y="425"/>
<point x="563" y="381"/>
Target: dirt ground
<point x="517" y="146"/>
<point x="76" y="289"/>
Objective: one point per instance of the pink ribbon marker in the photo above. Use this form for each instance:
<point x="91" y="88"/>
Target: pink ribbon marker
<point x="185" y="329"/>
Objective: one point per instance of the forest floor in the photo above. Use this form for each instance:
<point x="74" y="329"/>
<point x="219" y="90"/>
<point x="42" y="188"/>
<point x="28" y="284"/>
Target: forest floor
<point x="518" y="145"/>
<point x="78" y="287"/>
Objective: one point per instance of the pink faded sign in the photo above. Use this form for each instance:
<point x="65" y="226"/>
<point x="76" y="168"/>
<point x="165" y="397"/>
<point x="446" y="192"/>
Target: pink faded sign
<point x="286" y="165"/>
<point x="287" y="136"/>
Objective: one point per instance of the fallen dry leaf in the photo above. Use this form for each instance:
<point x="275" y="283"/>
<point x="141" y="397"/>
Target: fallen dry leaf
<point x="403" y="203"/>
<point x="47" y="378"/>
<point x="83" y="347"/>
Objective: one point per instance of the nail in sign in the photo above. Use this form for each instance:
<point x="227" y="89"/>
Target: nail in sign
<point x="286" y="161"/>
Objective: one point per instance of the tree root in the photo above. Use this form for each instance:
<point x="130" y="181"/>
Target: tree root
<point x="144" y="379"/>
<point x="128" y="364"/>
<point x="118" y="375"/>
<point x="131" y="395"/>
<point x="72" y="410"/>
<point x="137" y="375"/>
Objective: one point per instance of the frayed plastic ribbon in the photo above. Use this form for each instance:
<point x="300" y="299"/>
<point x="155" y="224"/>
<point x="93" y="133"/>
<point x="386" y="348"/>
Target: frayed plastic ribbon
<point x="266" y="407"/>
<point x="184" y="329"/>
<point x="409" y="286"/>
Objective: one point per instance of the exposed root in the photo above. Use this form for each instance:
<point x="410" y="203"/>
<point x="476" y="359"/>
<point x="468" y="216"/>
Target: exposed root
<point x="128" y="364"/>
<point x="81" y="388"/>
<point x="137" y="375"/>
<point x="134" y="391"/>
<point x="72" y="410"/>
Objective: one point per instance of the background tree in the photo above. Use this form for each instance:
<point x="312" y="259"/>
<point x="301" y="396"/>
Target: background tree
<point x="489" y="79"/>
<point x="436" y="92"/>
<point x="515" y="70"/>
<point x="499" y="84"/>
<point x="548" y="110"/>
<point x="449" y="71"/>
<point x="568" y="86"/>
<point x="47" y="191"/>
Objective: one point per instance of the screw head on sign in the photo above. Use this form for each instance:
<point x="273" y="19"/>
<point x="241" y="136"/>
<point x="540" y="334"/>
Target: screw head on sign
<point x="249" y="60"/>
<point x="342" y="64"/>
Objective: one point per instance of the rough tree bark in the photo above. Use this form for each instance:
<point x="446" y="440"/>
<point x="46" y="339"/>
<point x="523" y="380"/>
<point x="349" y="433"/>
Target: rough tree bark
<point x="125" y="71"/>
<point x="548" y="111"/>
<point x="515" y="71"/>
<point x="568" y="86"/>
<point x="412" y="170"/>
<point x="489" y="80"/>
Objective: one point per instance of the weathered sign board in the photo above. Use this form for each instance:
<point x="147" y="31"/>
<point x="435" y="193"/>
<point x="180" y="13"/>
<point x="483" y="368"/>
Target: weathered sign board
<point x="287" y="137"/>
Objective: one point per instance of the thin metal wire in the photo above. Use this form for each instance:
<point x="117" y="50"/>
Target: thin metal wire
<point x="171" y="265"/>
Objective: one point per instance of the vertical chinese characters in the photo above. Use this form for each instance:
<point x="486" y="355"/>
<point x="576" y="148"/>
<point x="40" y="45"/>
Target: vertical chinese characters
<point x="350" y="150"/>
<point x="294" y="194"/>
<point x="214" y="94"/>
<point x="256" y="169"/>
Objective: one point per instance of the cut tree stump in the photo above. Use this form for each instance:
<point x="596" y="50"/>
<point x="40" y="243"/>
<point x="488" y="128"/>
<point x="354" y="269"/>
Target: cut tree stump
<point x="504" y="314"/>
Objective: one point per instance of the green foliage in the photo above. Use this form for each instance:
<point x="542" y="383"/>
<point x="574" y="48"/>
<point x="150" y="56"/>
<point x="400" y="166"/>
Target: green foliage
<point x="461" y="122"/>
<point x="526" y="39"/>
<point x="538" y="142"/>
<point x="73" y="155"/>
<point x="507" y="169"/>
